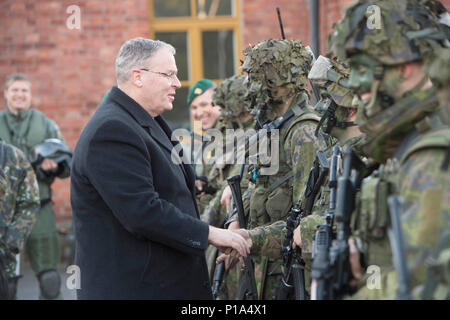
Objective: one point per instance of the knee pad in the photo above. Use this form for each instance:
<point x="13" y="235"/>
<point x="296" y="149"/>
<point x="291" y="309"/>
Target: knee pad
<point x="49" y="283"/>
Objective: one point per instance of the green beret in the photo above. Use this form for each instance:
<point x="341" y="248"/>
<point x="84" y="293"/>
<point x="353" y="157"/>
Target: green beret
<point x="198" y="89"/>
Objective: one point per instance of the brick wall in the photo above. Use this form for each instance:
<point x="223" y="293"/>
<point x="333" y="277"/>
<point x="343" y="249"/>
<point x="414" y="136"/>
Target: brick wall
<point x="72" y="69"/>
<point x="260" y="20"/>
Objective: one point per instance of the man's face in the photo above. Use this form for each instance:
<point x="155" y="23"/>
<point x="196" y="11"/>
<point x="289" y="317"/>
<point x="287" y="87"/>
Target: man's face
<point x="159" y="89"/>
<point x="203" y="110"/>
<point x="362" y="76"/>
<point x="18" y="96"/>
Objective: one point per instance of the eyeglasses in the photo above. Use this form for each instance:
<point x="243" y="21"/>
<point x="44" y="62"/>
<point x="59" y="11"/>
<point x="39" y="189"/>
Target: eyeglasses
<point x="171" y="76"/>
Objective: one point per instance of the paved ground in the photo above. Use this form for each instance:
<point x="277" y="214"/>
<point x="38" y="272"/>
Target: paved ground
<point x="28" y="288"/>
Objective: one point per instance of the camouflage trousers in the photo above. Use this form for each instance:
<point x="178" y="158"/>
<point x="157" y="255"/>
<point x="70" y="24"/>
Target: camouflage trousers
<point x="268" y="277"/>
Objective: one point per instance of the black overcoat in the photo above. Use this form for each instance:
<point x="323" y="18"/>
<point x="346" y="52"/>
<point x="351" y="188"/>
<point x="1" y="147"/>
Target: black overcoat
<point x="137" y="227"/>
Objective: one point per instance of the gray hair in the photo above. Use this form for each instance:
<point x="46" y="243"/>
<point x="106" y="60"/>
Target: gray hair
<point x="134" y="52"/>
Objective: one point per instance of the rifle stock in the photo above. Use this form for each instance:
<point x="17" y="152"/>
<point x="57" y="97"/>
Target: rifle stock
<point x="293" y="279"/>
<point x="247" y="287"/>
<point x="395" y="233"/>
<point x="339" y="252"/>
<point x="219" y="271"/>
<point x="321" y="268"/>
<point x="217" y="279"/>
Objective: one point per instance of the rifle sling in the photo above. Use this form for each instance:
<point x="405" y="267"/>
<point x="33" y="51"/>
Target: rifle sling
<point x="280" y="181"/>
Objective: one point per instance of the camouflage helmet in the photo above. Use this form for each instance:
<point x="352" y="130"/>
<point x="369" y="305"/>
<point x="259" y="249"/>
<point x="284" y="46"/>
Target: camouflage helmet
<point x="232" y="95"/>
<point x="331" y="76"/>
<point x="406" y="32"/>
<point x="274" y="63"/>
<point x="391" y="32"/>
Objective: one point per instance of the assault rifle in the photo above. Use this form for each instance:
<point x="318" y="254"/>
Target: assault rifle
<point x="348" y="185"/>
<point x="293" y="277"/>
<point x="247" y="286"/>
<point x="321" y="267"/>
<point x="395" y="233"/>
<point x="219" y="271"/>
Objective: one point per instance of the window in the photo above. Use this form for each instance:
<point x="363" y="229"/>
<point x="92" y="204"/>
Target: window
<point x="206" y="35"/>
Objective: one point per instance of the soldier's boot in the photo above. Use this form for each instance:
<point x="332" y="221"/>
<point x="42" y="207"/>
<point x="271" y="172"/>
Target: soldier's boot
<point x="50" y="285"/>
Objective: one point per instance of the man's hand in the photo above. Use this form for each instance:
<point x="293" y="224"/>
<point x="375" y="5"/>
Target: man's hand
<point x="226" y="197"/>
<point x="234" y="253"/>
<point x="199" y="184"/>
<point x="234" y="225"/>
<point x="230" y="262"/>
<point x="355" y="263"/>
<point x="244" y="233"/>
<point x="49" y="165"/>
<point x="226" y="241"/>
<point x="297" y="238"/>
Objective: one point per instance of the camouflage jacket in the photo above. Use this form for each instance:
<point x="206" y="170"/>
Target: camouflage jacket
<point x="416" y="175"/>
<point x="214" y="213"/>
<point x="19" y="203"/>
<point x="300" y="146"/>
<point x="267" y="239"/>
<point x="273" y="194"/>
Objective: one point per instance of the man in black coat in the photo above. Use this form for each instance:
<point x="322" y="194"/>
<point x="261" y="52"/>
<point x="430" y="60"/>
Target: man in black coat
<point x="137" y="227"/>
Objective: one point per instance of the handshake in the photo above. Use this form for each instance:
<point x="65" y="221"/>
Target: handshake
<point x="236" y="243"/>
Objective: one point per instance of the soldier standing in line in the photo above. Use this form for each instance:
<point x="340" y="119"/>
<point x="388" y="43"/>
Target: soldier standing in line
<point x="279" y="68"/>
<point x="232" y="96"/>
<point x="19" y="205"/>
<point x="399" y="72"/>
<point x="338" y="110"/>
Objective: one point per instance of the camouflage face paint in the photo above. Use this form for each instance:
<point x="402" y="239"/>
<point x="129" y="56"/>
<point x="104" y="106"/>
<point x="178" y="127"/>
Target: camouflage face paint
<point x="362" y="73"/>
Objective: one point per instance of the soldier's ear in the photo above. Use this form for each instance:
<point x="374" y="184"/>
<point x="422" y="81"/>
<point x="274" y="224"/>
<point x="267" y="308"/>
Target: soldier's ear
<point x="352" y="113"/>
<point x="406" y="70"/>
<point x="410" y="69"/>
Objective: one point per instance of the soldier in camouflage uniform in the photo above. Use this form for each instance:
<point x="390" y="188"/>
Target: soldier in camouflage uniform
<point x="232" y="96"/>
<point x="19" y="205"/>
<point x="399" y="72"/>
<point x="331" y="77"/>
<point x="25" y="127"/>
<point x="279" y="69"/>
